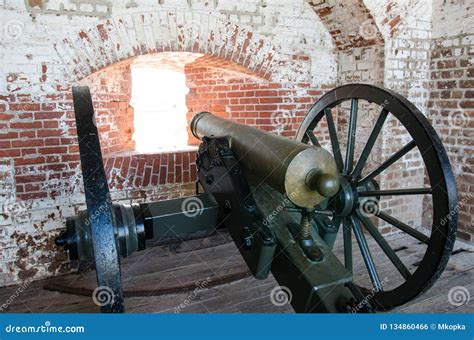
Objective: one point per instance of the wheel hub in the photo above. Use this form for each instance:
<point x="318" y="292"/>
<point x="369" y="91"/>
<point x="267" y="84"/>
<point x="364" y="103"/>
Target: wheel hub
<point x="344" y="202"/>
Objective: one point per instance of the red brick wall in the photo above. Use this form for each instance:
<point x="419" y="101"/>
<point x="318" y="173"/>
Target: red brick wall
<point x="37" y="138"/>
<point x="246" y="98"/>
<point x="39" y="133"/>
<point x="111" y="93"/>
<point x="223" y="88"/>
<point x="41" y="137"/>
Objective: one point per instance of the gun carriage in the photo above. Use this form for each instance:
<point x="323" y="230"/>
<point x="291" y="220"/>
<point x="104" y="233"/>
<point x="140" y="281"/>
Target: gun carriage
<point x="283" y="202"/>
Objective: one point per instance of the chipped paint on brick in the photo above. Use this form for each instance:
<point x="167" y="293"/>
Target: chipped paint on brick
<point x="297" y="49"/>
<point x="348" y="23"/>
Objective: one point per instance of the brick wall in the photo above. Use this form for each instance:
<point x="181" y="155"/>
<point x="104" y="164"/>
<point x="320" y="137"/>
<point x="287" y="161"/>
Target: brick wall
<point x="111" y="93"/>
<point x="225" y="90"/>
<point x="451" y="108"/>
<point x="261" y="63"/>
<point x="48" y="47"/>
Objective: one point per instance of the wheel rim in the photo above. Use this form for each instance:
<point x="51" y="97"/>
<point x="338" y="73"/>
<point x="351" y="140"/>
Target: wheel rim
<point x="437" y="167"/>
<point x="99" y="205"/>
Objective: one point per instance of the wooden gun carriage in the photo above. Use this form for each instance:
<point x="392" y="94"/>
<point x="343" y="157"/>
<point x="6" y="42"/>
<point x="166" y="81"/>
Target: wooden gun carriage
<point x="283" y="201"/>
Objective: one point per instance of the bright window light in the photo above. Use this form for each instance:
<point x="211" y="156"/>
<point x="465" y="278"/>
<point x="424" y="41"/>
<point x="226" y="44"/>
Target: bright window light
<point x="159" y="103"/>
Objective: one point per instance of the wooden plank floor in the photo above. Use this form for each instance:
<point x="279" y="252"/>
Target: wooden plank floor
<point x="209" y="276"/>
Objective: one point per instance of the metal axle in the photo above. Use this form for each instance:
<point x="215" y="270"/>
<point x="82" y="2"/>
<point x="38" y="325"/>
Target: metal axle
<point x="135" y="225"/>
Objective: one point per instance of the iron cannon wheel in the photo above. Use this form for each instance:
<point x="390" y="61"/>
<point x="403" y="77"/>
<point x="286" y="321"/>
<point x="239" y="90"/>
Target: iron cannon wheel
<point x="108" y="294"/>
<point x="438" y="175"/>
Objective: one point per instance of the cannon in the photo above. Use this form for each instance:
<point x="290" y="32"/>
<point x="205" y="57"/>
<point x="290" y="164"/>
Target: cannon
<point x="283" y="201"/>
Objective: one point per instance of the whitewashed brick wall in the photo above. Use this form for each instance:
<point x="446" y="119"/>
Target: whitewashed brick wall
<point x="47" y="45"/>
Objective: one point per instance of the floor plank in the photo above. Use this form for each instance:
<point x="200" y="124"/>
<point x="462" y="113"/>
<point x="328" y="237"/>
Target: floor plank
<point x="150" y="276"/>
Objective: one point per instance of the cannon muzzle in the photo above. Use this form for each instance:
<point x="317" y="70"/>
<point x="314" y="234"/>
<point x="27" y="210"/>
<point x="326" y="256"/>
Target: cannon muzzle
<point x="306" y="174"/>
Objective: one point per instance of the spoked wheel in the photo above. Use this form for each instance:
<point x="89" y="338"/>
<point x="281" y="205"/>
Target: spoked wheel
<point x="360" y="183"/>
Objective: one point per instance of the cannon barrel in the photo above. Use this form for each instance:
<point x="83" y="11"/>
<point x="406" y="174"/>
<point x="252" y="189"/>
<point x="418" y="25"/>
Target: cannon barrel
<point x="306" y="174"/>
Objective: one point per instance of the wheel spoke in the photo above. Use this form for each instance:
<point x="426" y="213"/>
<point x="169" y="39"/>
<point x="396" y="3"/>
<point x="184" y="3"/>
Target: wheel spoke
<point x="336" y="150"/>
<point x="351" y="137"/>
<point x="364" y="249"/>
<point x="370" y="144"/>
<point x="396" y="192"/>
<point x="403" y="227"/>
<point x="347" y="236"/>
<point x="323" y="212"/>
<point x="395" y="157"/>
<point x="312" y="138"/>
<point x="385" y="246"/>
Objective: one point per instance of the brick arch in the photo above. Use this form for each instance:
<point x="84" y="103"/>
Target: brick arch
<point x="350" y="23"/>
<point x="216" y="84"/>
<point x="110" y="41"/>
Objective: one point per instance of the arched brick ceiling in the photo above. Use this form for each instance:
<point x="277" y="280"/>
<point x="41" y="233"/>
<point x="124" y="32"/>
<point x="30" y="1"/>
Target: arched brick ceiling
<point x="115" y="39"/>
<point x="178" y="60"/>
<point x="349" y="23"/>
